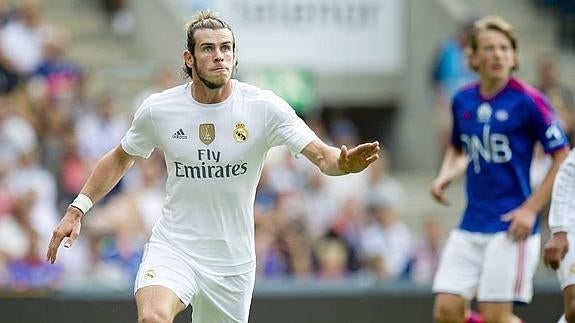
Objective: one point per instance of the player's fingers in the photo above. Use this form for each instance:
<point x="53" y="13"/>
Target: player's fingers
<point x="73" y="236"/>
<point x="343" y="152"/>
<point x="439" y="196"/>
<point x="371" y="159"/>
<point x="57" y="238"/>
<point x="507" y="217"/>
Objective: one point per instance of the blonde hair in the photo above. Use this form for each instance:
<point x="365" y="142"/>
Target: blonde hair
<point x="495" y="23"/>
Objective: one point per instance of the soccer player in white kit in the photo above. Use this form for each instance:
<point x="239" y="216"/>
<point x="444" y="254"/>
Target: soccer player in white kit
<point x="215" y="133"/>
<point x="557" y="253"/>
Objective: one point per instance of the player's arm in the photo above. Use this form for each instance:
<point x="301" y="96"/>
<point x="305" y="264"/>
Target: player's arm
<point x="541" y="195"/>
<point x="560" y="211"/>
<point x="523" y="218"/>
<point x="454" y="164"/>
<point x="333" y="161"/>
<point x="106" y="174"/>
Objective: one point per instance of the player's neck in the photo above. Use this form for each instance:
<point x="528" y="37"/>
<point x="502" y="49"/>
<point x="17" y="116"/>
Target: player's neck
<point x="203" y="94"/>
<point x="490" y="87"/>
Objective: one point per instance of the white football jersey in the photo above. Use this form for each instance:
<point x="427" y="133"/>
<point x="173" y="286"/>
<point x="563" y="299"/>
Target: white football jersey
<point x="214" y="156"/>
<point x="562" y="209"/>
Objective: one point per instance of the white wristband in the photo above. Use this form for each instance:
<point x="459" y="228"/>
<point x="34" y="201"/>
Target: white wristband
<point x="558" y="229"/>
<point x="83" y="203"/>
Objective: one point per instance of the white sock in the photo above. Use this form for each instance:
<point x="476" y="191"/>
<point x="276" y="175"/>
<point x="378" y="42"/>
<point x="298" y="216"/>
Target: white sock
<point x="562" y="319"/>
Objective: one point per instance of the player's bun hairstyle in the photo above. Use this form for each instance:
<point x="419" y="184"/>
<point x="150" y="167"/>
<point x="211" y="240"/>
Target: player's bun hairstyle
<point x="205" y="19"/>
<point x="495" y="23"/>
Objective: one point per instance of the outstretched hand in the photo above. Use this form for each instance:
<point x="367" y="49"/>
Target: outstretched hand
<point x="69" y="228"/>
<point x="358" y="158"/>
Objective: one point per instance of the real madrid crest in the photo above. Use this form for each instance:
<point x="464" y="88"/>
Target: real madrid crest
<point x="572" y="269"/>
<point x="241" y="133"/>
<point x="207" y="132"/>
<point x="150" y="274"/>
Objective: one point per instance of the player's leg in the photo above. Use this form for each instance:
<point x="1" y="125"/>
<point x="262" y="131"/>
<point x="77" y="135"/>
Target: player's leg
<point x="223" y="299"/>
<point x="157" y="304"/>
<point x="497" y="312"/>
<point x="502" y="285"/>
<point x="569" y="303"/>
<point x="457" y="276"/>
<point x="449" y="308"/>
<point x="165" y="284"/>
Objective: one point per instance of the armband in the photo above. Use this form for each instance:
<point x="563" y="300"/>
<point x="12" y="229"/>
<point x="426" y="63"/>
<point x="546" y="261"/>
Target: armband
<point x="82" y="203"/>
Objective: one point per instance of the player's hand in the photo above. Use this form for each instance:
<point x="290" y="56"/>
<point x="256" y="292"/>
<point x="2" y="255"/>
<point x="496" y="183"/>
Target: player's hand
<point x="522" y="222"/>
<point x="358" y="158"/>
<point x="438" y="187"/>
<point x="555" y="250"/>
<point x="69" y="228"/>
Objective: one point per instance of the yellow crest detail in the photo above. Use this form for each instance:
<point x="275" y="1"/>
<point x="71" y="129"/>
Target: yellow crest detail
<point x="241" y="133"/>
<point x="150" y="274"/>
<point x="207" y="133"/>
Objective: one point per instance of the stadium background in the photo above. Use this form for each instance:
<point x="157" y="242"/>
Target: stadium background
<point x="367" y="61"/>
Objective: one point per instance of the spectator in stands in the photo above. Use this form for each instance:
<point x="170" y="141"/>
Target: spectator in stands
<point x="22" y="39"/>
<point x="427" y="250"/>
<point x="57" y="76"/>
<point x="560" y="96"/>
<point x="449" y="71"/>
<point x="100" y="130"/>
<point x="386" y="241"/>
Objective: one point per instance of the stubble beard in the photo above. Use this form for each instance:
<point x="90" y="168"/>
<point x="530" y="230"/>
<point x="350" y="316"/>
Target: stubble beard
<point x="211" y="85"/>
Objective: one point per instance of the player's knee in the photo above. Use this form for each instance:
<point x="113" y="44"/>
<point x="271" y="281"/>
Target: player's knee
<point x="570" y="312"/>
<point x="154" y="316"/>
<point x="448" y="314"/>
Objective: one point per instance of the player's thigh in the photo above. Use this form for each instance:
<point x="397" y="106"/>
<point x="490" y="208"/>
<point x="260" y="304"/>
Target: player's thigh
<point x="459" y="269"/>
<point x="223" y="299"/>
<point x="158" y="301"/>
<point x="163" y="266"/>
<point x="507" y="274"/>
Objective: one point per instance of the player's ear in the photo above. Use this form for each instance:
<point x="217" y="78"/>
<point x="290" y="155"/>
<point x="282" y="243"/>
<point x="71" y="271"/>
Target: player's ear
<point x="188" y="59"/>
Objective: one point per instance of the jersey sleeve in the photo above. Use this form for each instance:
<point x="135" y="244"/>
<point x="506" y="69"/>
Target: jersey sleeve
<point x="284" y="127"/>
<point x="548" y="129"/>
<point x="455" y="132"/>
<point x="562" y="204"/>
<point x="140" y="139"/>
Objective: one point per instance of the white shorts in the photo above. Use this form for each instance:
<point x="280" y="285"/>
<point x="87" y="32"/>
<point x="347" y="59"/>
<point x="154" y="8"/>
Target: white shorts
<point x="213" y="298"/>
<point x="566" y="271"/>
<point x="488" y="267"/>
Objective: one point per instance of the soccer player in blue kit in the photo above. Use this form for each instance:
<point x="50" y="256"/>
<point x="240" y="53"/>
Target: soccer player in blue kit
<point x="493" y="253"/>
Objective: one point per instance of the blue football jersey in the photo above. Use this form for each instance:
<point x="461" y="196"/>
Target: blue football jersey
<point x="498" y="135"/>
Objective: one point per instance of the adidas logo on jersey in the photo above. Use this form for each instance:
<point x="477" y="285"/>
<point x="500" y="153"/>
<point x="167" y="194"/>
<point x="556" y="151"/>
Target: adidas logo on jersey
<point x="179" y="134"/>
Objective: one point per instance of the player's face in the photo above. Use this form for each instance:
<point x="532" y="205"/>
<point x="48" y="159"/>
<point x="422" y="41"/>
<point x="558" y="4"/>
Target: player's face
<point x="494" y="57"/>
<point x="213" y="59"/>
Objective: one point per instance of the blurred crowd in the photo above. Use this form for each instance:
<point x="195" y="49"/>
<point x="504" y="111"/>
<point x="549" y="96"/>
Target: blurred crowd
<point x="563" y="13"/>
<point x="52" y="131"/>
